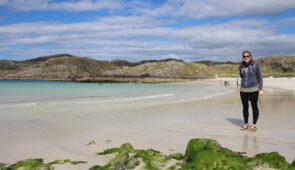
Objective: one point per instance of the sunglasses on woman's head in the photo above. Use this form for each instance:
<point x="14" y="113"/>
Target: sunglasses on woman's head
<point x="248" y="56"/>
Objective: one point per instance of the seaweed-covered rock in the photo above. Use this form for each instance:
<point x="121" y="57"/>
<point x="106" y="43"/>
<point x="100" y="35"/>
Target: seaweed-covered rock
<point x="177" y="156"/>
<point x="273" y="160"/>
<point x="124" y="147"/>
<point x="121" y="158"/>
<point x="293" y="164"/>
<point x="97" y="167"/>
<point x="132" y="162"/>
<point x="2" y="165"/>
<point x="153" y="159"/>
<point x="121" y="161"/>
<point x="127" y="157"/>
<point x="118" y="162"/>
<point x="208" y="154"/>
<point x="31" y="164"/>
<point x="200" y="154"/>
<point x="127" y="147"/>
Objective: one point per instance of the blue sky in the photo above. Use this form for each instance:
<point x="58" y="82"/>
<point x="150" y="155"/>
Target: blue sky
<point x="190" y="30"/>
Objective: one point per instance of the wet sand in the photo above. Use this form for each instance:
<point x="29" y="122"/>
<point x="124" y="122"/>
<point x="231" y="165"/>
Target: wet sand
<point x="63" y="132"/>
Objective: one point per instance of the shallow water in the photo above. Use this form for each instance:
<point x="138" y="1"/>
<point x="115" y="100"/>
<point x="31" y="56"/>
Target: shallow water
<point x="26" y="92"/>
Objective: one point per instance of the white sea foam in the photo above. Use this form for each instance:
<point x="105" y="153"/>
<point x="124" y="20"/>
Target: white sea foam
<point x="120" y="99"/>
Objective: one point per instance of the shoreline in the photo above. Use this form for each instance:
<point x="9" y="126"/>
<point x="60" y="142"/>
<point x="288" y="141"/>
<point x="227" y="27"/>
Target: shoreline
<point x="111" y="80"/>
<point x="158" y="80"/>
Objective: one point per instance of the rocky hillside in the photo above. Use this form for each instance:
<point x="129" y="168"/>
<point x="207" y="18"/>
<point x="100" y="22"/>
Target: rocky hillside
<point x="276" y="66"/>
<point x="62" y="66"/>
<point x="69" y="67"/>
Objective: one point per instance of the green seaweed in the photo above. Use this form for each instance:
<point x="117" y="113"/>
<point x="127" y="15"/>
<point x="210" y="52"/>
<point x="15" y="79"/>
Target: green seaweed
<point x="208" y="154"/>
<point x="91" y="143"/>
<point x="59" y="162"/>
<point x="273" y="160"/>
<point x="132" y="162"/>
<point x="199" y="154"/>
<point x="177" y="156"/>
<point x="2" y="166"/>
<point x="77" y="162"/>
<point x="30" y="164"/>
<point x="109" y="151"/>
<point x="33" y="164"/>
<point x="122" y="159"/>
<point x="127" y="147"/>
<point x="97" y="167"/>
<point x="124" y="147"/>
<point x="152" y="159"/>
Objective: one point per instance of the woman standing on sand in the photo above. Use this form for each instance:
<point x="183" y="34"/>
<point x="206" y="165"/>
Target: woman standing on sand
<point x="251" y="88"/>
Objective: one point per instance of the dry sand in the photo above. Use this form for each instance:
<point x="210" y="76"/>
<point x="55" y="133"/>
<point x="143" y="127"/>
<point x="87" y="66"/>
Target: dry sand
<point x="63" y="133"/>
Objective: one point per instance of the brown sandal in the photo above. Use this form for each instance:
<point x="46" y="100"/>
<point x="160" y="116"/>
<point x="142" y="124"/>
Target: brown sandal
<point x="253" y="128"/>
<point x="246" y="126"/>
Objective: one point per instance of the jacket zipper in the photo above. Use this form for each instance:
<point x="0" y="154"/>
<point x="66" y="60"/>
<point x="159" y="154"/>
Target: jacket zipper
<point x="246" y="78"/>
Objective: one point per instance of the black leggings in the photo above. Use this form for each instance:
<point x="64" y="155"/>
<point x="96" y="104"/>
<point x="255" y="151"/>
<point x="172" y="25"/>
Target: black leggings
<point x="253" y="97"/>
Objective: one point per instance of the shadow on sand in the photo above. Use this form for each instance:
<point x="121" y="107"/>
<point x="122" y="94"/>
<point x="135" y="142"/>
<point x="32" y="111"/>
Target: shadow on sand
<point x="235" y="121"/>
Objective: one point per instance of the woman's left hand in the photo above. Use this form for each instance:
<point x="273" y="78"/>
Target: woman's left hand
<point x="260" y="93"/>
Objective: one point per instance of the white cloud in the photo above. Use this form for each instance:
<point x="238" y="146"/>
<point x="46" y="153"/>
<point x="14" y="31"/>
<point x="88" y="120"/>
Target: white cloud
<point x="3" y="2"/>
<point x="194" y="9"/>
<point x="287" y="22"/>
<point x="141" y="37"/>
<point x="81" y="5"/>
<point x="199" y="9"/>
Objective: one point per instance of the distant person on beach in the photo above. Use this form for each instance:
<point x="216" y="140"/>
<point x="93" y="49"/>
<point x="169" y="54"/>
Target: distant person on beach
<point x="226" y="83"/>
<point x="251" y="88"/>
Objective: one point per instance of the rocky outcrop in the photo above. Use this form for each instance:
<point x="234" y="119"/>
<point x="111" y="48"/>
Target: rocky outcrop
<point x="200" y="154"/>
<point x="279" y="63"/>
<point x="208" y="154"/>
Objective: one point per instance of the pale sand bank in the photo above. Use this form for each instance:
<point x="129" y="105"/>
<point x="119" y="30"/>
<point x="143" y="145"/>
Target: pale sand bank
<point x="63" y="133"/>
<point x="269" y="83"/>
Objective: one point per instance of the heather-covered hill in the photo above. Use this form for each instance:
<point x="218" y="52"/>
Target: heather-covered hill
<point x="69" y="67"/>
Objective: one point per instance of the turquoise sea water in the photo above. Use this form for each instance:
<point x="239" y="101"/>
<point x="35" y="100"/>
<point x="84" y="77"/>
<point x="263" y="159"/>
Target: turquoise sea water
<point x="14" y="92"/>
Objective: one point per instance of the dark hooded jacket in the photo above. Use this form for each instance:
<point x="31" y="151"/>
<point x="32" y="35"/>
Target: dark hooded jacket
<point x="250" y="78"/>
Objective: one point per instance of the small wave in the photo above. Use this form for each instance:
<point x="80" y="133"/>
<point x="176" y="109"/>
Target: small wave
<point x="125" y="99"/>
<point x="2" y="105"/>
<point x="203" y="97"/>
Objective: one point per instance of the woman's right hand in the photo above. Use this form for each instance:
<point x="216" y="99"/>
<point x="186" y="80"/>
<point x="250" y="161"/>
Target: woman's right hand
<point x="260" y="93"/>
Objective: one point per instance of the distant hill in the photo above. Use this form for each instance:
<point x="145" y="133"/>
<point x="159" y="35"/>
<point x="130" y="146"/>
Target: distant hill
<point x="74" y="68"/>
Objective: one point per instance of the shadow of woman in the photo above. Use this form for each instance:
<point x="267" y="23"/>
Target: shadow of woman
<point x="235" y="121"/>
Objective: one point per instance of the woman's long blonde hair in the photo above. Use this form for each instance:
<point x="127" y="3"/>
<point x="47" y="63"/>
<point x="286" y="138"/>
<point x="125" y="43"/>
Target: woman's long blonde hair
<point x="251" y="56"/>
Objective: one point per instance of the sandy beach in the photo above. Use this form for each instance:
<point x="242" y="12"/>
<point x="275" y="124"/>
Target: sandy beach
<point x="60" y="133"/>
